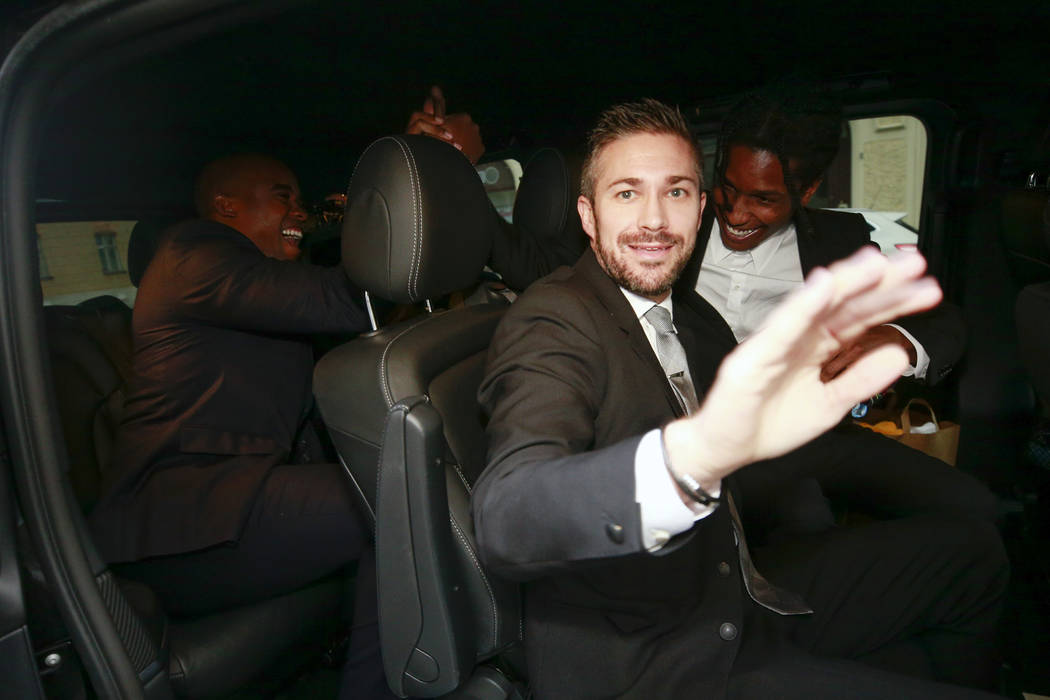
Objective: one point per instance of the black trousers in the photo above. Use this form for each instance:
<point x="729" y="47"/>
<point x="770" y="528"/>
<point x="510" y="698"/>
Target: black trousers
<point x="919" y="596"/>
<point x="860" y="471"/>
<point x="303" y="527"/>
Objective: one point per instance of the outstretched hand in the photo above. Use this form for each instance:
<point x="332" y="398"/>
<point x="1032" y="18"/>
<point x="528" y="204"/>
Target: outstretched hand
<point x="768" y="397"/>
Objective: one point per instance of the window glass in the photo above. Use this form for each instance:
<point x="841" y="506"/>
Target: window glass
<point x="109" y="256"/>
<point x="84" y="259"/>
<point x="501" y="178"/>
<point x="879" y="171"/>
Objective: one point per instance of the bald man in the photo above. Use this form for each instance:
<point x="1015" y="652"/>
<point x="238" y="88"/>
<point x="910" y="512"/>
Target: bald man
<point x="214" y="497"/>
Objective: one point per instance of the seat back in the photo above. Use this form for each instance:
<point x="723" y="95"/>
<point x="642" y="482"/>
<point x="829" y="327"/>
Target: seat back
<point x="400" y="404"/>
<point x="90" y="347"/>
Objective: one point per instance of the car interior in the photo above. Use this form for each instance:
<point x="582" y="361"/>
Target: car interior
<point x="108" y="109"/>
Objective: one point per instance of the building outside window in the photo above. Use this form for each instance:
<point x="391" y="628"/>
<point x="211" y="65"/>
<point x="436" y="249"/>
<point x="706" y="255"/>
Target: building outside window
<point x="108" y="254"/>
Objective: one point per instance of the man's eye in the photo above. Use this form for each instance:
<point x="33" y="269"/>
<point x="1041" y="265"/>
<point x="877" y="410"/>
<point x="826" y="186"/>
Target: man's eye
<point x="677" y="192"/>
<point x="626" y="194"/>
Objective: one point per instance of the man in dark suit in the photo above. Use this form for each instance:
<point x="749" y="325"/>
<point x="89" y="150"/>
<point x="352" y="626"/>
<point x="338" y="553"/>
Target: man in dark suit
<point x="617" y="509"/>
<point x="757" y="243"/>
<point x="214" y="497"/>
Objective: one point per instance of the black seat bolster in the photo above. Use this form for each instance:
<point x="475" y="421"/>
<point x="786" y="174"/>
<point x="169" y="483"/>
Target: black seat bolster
<point x="424" y="615"/>
<point x="215" y="654"/>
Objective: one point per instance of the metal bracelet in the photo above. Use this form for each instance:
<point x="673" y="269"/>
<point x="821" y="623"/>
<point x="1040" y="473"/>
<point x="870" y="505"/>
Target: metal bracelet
<point x="686" y="482"/>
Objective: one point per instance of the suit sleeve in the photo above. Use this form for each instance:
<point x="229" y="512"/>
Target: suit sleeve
<point x="940" y="330"/>
<point x="232" y="284"/>
<point x="522" y="256"/>
<point x="548" y="500"/>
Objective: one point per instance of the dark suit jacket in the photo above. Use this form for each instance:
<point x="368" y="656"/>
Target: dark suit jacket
<point x="222" y="381"/>
<point x="571" y="385"/>
<point x="838" y="235"/>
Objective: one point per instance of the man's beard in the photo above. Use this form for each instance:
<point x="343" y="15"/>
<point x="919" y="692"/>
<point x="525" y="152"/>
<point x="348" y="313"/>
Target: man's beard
<point x="652" y="280"/>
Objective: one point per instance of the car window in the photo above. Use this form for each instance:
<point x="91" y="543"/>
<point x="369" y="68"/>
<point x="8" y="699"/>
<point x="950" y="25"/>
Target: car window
<point x="501" y="178"/>
<point x="84" y="259"/>
<point x="879" y="172"/>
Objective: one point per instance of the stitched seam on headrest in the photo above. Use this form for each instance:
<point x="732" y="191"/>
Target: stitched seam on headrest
<point x="413" y="173"/>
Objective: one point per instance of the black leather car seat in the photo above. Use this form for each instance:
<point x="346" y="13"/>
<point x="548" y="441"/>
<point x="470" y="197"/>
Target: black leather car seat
<point x="90" y="350"/>
<point x="400" y="405"/>
<point x="545" y="212"/>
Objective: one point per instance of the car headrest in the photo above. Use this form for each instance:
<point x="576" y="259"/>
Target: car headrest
<point x="418" y="223"/>
<point x="544" y="200"/>
<point x="142" y="244"/>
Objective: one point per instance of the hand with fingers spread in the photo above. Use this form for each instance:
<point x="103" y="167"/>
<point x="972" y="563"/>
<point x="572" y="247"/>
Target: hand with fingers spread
<point x="769" y="398"/>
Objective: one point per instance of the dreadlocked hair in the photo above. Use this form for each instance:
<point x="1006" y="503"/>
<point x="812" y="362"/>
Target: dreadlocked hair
<point x="794" y="123"/>
<point x="647" y="116"/>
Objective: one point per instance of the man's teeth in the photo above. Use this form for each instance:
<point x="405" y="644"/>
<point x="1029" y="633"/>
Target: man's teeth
<point x="292" y="233"/>
<point x="741" y="232"/>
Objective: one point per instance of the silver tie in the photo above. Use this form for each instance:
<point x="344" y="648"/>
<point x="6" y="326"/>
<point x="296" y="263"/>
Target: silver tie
<point x="671" y="354"/>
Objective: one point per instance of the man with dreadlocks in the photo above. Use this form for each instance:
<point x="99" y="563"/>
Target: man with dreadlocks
<point x="755" y="245"/>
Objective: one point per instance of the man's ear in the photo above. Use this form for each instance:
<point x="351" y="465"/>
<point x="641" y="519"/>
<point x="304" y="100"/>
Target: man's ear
<point x="586" y="211"/>
<point x="809" y="191"/>
<point x="700" y="214"/>
<point x="224" y="206"/>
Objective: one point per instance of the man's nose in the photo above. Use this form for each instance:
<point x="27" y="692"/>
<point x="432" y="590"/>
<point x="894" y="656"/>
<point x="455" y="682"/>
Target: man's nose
<point x="654" y="214"/>
<point x="298" y="212"/>
<point x="734" y="207"/>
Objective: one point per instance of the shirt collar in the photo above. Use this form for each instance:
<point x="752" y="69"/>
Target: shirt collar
<point x="761" y="254"/>
<point x="641" y="305"/>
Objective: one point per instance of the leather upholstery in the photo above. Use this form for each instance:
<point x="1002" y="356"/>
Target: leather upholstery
<point x="216" y="654"/>
<point x="142" y="244"/>
<point x="422" y="198"/>
<point x="544" y="204"/>
<point x="418" y="224"/>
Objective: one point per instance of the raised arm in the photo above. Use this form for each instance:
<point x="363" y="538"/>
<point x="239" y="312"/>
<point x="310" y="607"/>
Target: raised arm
<point x="768" y="397"/>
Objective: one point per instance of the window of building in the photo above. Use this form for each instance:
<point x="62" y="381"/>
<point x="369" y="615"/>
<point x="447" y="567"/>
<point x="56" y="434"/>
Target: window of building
<point x="84" y="259"/>
<point x="108" y="254"/>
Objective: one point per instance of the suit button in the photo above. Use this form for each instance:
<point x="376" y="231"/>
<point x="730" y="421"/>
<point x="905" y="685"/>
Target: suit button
<point x="723" y="569"/>
<point x="727" y="631"/>
<point x="615" y="532"/>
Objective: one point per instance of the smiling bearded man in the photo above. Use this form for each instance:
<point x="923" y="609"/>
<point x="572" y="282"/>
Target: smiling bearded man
<point x="609" y="489"/>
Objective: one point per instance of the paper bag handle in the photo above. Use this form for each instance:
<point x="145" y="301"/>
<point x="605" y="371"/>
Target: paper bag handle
<point x="906" y="413"/>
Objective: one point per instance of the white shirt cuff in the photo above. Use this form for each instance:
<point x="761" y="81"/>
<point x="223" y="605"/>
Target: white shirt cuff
<point x="922" y="360"/>
<point x="663" y="513"/>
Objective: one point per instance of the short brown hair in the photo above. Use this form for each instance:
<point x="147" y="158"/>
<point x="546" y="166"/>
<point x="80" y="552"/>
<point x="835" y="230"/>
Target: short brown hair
<point x="647" y="116"/>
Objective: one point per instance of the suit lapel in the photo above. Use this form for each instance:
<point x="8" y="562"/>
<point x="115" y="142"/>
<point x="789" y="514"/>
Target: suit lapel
<point x="620" y="312"/>
<point x="808" y="247"/>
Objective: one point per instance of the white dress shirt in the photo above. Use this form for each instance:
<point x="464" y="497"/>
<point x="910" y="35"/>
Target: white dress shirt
<point x="745" y="286"/>
<point x="662" y="512"/>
